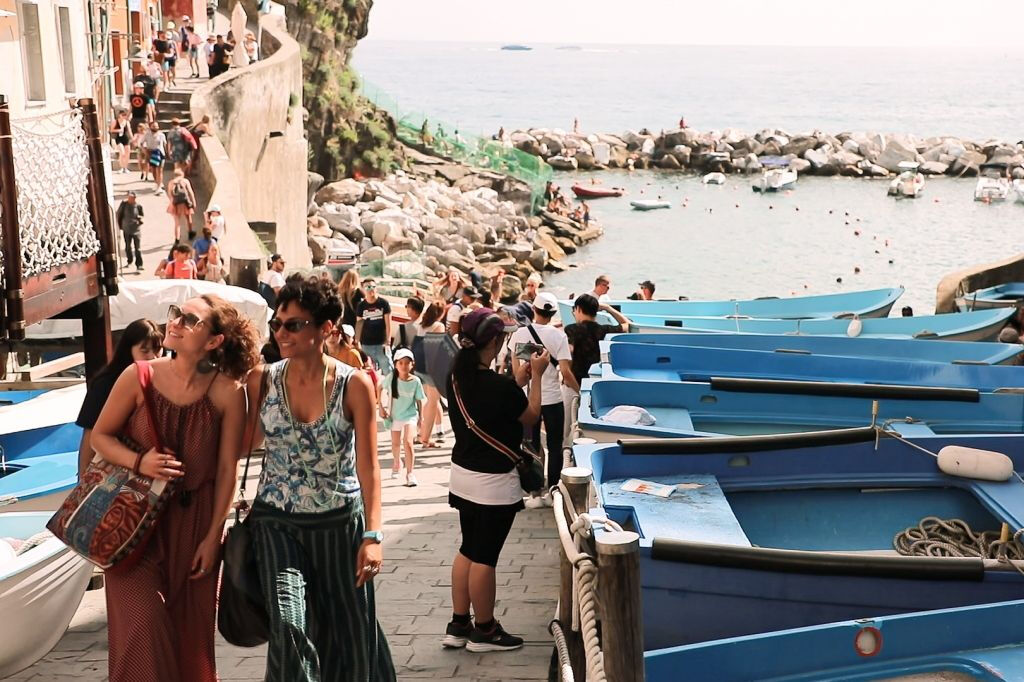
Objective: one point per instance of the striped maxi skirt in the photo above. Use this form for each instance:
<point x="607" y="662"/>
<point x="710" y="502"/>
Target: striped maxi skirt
<point x="322" y="628"/>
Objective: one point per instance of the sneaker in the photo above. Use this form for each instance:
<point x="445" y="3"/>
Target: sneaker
<point x="393" y="474"/>
<point x="533" y="502"/>
<point x="411" y="482"/>
<point x="494" y="640"/>
<point x="159" y="191"/>
<point x="456" y="635"/>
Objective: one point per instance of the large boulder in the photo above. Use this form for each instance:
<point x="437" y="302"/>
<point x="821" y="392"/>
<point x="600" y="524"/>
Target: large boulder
<point x="669" y="162"/>
<point x="314" y="181"/>
<point x="347" y="191"/>
<point x="545" y="240"/>
<point x="967" y="163"/>
<point x="895" y="153"/>
<point x="585" y="161"/>
<point x="800" y="145"/>
<point x="934" y="168"/>
<point x="537" y="259"/>
<point x="682" y="154"/>
<point x="800" y="165"/>
<point x="553" y="144"/>
<point x="563" y="163"/>
<point x="318" y="226"/>
<point x="817" y="158"/>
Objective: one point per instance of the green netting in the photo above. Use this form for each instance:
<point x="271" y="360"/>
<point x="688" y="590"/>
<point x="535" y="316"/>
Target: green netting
<point x="416" y="129"/>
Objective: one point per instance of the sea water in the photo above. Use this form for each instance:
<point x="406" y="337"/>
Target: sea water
<point x="728" y="242"/>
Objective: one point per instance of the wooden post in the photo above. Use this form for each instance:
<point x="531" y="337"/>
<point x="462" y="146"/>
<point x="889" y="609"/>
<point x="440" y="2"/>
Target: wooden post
<point x="99" y="207"/>
<point x="14" y="313"/>
<point x="96" y="341"/>
<point x="618" y="589"/>
<point x="577" y="480"/>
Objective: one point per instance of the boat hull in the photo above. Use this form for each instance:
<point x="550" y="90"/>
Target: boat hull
<point x="958" y="352"/>
<point x="38" y="599"/>
<point x="649" y="205"/>
<point x="595" y="193"/>
<point x="970" y="642"/>
<point x="1010" y="295"/>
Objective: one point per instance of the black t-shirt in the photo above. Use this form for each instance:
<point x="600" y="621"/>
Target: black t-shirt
<point x="585" y="338"/>
<point x="220" y="54"/>
<point x="372" y="314"/>
<point x="495" y="403"/>
<point x="348" y="314"/>
<point x="95" y="398"/>
<point x="139" y="105"/>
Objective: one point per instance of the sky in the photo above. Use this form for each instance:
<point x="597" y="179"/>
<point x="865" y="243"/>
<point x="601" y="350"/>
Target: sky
<point x="957" y="24"/>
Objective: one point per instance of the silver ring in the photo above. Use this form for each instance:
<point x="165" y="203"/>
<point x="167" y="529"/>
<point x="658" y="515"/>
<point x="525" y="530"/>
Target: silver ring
<point x="375" y="569"/>
<point x="367" y="568"/>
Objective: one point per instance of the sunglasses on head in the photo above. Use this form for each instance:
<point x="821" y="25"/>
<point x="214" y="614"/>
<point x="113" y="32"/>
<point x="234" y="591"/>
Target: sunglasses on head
<point x="188" y="320"/>
<point x="293" y="326"/>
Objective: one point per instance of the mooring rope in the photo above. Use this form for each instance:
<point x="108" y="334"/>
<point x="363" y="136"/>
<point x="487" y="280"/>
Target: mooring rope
<point x="955" y="538"/>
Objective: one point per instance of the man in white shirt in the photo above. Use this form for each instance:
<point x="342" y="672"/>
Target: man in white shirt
<point x="542" y="333"/>
<point x="602" y="285"/>
<point x="272" y="280"/>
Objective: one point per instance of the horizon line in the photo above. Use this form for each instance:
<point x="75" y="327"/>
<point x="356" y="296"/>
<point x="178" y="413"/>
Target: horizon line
<point x="501" y="43"/>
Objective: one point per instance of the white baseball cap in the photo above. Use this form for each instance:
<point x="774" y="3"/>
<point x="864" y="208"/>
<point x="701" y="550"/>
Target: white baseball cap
<point x="402" y="353"/>
<point x="348" y="330"/>
<point x="545" y="302"/>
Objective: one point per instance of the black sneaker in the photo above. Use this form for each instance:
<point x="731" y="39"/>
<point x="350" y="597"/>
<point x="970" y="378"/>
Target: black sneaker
<point x="456" y="635"/>
<point x="496" y="639"/>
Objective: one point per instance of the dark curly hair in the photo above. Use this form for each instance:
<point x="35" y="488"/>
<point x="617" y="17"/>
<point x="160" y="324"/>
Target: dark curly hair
<point x="240" y="351"/>
<point x="316" y="296"/>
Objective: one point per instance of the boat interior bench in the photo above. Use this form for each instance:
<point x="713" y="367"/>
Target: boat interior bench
<point x="709" y="517"/>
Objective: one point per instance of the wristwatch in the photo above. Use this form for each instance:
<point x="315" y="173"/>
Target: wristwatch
<point x="375" y="535"/>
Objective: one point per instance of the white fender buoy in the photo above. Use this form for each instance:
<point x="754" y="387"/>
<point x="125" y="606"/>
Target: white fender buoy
<point x="855" y="327"/>
<point x="984" y="465"/>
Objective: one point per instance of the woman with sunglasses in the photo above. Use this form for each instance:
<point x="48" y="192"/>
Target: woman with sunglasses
<point x="316" y="520"/>
<point x="161" y="610"/>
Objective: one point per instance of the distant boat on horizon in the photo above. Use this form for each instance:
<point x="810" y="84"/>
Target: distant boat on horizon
<point x="570" y="48"/>
<point x="516" y="48"/>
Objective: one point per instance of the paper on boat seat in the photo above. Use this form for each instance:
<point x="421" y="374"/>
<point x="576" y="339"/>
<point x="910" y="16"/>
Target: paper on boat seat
<point x="632" y="415"/>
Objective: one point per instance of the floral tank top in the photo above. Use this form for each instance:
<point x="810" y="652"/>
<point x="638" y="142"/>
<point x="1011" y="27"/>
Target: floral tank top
<point x="309" y="468"/>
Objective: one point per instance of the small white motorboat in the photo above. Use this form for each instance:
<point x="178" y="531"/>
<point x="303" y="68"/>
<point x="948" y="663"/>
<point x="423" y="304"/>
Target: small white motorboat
<point x="777" y="176"/>
<point x="649" y="204"/>
<point x="713" y="179"/>
<point x="41" y="585"/>
<point x="1018" y="191"/>
<point x="909" y="183"/>
<point x="992" y="183"/>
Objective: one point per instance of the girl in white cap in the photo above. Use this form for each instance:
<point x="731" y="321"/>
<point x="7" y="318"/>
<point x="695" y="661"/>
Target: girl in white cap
<point x="406" y="396"/>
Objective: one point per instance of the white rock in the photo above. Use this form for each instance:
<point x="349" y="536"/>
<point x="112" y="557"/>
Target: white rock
<point x="851" y="145"/>
<point x="896" y="152"/>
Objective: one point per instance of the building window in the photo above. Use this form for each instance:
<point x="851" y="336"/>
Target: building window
<point x="33" y="47"/>
<point x="66" y="53"/>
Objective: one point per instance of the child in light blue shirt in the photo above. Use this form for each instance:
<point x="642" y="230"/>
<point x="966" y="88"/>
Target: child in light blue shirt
<point x="404" y="401"/>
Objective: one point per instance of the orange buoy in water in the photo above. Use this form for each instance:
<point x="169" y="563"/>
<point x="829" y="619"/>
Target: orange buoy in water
<point x="856" y="233"/>
<point x="856" y="269"/>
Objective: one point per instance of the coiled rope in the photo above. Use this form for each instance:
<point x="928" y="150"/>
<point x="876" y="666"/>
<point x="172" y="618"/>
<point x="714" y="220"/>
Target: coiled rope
<point x="575" y="534"/>
<point x="954" y="538"/>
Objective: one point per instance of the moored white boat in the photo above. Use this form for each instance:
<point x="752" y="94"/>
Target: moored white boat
<point x="40" y="590"/>
<point x="992" y="183"/>
<point x="713" y="179"/>
<point x="777" y="176"/>
<point x="909" y="183"/>
<point x="649" y="204"/>
<point x="1018" y="191"/>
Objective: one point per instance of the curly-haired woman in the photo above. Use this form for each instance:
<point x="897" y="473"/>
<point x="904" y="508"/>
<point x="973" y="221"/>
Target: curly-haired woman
<point x="161" y="610"/>
<point x="317" y="516"/>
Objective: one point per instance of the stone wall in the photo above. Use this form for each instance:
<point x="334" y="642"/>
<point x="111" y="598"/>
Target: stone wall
<point x="256" y="115"/>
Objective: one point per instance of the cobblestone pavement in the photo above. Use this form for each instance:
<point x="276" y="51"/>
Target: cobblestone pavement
<point x="413" y="595"/>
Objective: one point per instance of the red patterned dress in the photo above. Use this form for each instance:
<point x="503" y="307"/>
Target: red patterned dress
<point x="161" y="623"/>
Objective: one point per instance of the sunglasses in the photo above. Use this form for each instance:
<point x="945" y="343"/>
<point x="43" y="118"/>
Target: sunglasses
<point x="291" y="326"/>
<point x="188" y="320"/>
<point x="370" y="287"/>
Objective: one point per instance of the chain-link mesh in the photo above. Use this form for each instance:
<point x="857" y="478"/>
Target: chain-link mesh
<point x="51" y="172"/>
<point x="415" y="129"/>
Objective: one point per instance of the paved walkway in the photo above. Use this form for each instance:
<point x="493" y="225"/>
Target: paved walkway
<point x="413" y="595"/>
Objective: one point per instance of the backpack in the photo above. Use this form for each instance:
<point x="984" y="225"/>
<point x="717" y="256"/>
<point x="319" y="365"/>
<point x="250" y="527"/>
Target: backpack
<point x="267" y="292"/>
<point x="180" y="195"/>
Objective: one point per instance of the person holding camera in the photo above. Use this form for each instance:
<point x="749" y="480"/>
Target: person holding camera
<point x="541" y="334"/>
<point x="484" y="486"/>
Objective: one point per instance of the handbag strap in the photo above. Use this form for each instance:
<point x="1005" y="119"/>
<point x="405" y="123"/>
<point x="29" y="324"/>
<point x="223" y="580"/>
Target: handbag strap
<point x="480" y="433"/>
<point x="540" y="342"/>
<point x="264" y="383"/>
<point x="145" y="372"/>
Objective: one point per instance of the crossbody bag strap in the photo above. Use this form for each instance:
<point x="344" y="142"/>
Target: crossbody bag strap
<point x="480" y="433"/>
<point x="540" y="342"/>
<point x="145" y="372"/>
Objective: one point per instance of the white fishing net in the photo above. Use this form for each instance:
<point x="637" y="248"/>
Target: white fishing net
<point x="51" y="171"/>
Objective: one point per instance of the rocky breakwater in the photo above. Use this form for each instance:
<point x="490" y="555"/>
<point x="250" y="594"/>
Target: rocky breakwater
<point x="421" y="227"/>
<point x="852" y="154"/>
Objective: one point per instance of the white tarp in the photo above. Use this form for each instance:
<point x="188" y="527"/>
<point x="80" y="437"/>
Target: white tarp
<point x="150" y="298"/>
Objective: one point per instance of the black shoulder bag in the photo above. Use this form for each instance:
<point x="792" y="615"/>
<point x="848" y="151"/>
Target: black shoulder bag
<point x="537" y="340"/>
<point x="529" y="467"/>
<point x="241" y="613"/>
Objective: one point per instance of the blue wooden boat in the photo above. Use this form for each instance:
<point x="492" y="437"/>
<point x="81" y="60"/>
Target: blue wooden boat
<point x="981" y="642"/>
<point x="979" y="325"/>
<point x="958" y="352"/>
<point x="871" y="303"/>
<point x="742" y="407"/>
<point x="681" y="363"/>
<point x="1010" y="295"/>
<point x="39" y="448"/>
<point x="766" y="534"/>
